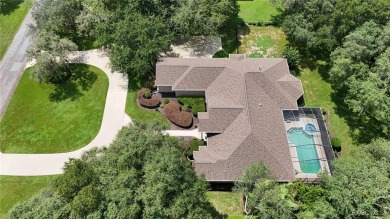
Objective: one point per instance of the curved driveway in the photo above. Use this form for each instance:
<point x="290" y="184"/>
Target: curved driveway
<point x="114" y="118"/>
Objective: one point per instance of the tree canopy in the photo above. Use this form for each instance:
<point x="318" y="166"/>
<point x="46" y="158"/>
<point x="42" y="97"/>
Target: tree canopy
<point x="143" y="174"/>
<point x="361" y="69"/>
<point x="321" y="25"/>
<point x="133" y="32"/>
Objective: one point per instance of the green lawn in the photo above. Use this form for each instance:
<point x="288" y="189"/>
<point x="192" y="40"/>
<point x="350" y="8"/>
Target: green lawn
<point x="47" y="118"/>
<point x="318" y="93"/>
<point x="256" y="11"/>
<point x="14" y="189"/>
<point x="10" y="19"/>
<point x="137" y="113"/>
<point x="263" y="42"/>
<point x="227" y="203"/>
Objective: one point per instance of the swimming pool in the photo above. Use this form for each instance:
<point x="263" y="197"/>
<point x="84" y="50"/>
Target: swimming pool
<point x="307" y="153"/>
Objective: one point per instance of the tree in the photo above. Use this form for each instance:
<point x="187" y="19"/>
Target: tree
<point x="321" y="25"/>
<point x="359" y="186"/>
<point x="136" y="43"/>
<point x="143" y="174"/>
<point x="262" y="195"/>
<point x="201" y="17"/>
<point x="360" y="70"/>
<point x="51" y="55"/>
<point x="56" y="16"/>
<point x="292" y="55"/>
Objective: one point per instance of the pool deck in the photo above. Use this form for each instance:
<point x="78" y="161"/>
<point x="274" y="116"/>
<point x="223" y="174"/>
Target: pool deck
<point x="317" y="140"/>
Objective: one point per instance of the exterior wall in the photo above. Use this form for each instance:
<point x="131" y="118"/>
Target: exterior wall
<point x="190" y="93"/>
<point x="164" y="89"/>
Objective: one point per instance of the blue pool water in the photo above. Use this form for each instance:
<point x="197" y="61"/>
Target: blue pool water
<point x="307" y="153"/>
<point x="310" y="128"/>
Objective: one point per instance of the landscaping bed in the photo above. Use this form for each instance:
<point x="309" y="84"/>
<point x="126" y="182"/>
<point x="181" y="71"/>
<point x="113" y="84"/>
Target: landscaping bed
<point x="173" y="111"/>
<point x="146" y="99"/>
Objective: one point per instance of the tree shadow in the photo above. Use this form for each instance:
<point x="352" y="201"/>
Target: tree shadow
<point x="363" y="129"/>
<point x="9" y="6"/>
<point x="230" y="34"/>
<point x="81" y="81"/>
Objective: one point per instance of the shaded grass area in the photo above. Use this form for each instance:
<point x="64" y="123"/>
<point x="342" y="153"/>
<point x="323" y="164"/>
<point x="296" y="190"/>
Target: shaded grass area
<point x="14" y="189"/>
<point x="11" y="17"/>
<point x="256" y="11"/>
<point x="138" y="113"/>
<point x="227" y="203"/>
<point x="263" y="42"/>
<point x="47" y="118"/>
<point x="319" y="93"/>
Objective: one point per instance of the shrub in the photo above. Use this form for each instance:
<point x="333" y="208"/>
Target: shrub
<point x="166" y="100"/>
<point x="162" y="105"/>
<point x="147" y="95"/>
<point x="292" y="55"/>
<point x="176" y="116"/>
<point x="153" y="102"/>
<point x="336" y="143"/>
<point x="196" y="104"/>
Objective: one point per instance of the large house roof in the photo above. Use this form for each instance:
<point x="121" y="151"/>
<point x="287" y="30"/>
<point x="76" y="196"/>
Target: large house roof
<point x="245" y="98"/>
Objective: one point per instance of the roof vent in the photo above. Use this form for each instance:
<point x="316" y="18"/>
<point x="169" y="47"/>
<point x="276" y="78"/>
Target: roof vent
<point x="260" y="68"/>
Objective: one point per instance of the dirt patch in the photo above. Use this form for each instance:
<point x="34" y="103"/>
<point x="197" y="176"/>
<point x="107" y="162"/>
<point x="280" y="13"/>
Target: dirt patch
<point x="262" y="42"/>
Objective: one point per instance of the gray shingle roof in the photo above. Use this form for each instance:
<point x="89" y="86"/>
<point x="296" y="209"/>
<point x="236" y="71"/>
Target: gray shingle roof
<point x="245" y="98"/>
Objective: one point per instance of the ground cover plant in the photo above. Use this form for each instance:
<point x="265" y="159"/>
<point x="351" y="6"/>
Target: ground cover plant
<point x="176" y="115"/>
<point x="196" y="104"/>
<point x="262" y="42"/>
<point x="14" y="189"/>
<point x="143" y="174"/>
<point x="48" y="118"/>
<point x="11" y="16"/>
<point x="256" y="11"/>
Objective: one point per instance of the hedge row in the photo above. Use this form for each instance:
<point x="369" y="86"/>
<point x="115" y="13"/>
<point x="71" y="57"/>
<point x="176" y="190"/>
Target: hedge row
<point x="153" y="102"/>
<point x="176" y="116"/>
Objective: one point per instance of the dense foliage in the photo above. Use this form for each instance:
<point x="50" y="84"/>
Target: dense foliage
<point x="361" y="69"/>
<point x="321" y="25"/>
<point x="358" y="188"/>
<point x="143" y="174"/>
<point x="354" y="36"/>
<point x="132" y="32"/>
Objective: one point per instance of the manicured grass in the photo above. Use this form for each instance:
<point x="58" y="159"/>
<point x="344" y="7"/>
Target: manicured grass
<point x="196" y="104"/>
<point x="137" y="113"/>
<point x="47" y="118"/>
<point x="256" y="11"/>
<point x="227" y="203"/>
<point x="14" y="189"/>
<point x="263" y="42"/>
<point x="10" y="19"/>
<point x="319" y="93"/>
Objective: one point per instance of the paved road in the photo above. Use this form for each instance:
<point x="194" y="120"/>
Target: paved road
<point x="13" y="63"/>
<point x="114" y="118"/>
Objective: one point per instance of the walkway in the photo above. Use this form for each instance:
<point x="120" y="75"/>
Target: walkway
<point x="183" y="133"/>
<point x="114" y="118"/>
<point x="13" y="62"/>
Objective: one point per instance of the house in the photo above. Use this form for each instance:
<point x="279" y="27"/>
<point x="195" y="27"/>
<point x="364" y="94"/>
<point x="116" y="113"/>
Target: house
<point x="252" y="115"/>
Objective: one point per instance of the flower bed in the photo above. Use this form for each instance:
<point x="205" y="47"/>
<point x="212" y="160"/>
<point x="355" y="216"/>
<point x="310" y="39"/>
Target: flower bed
<point x="176" y="116"/>
<point x="153" y="102"/>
